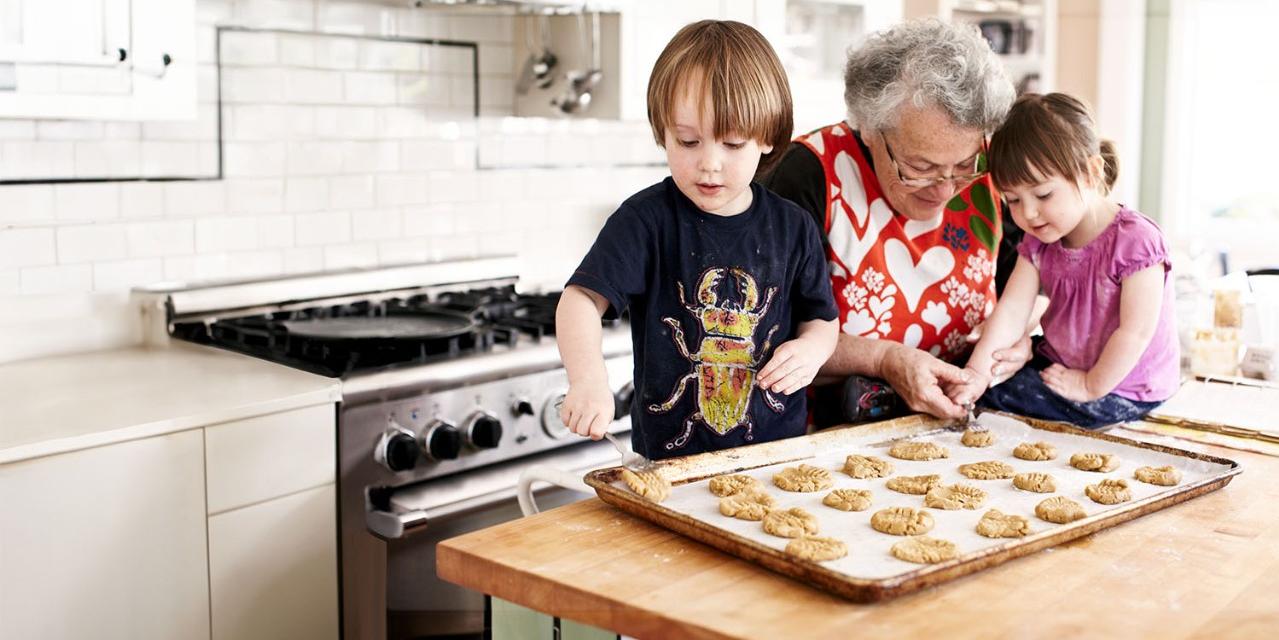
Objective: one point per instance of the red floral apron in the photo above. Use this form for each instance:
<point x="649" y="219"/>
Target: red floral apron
<point x="923" y="284"/>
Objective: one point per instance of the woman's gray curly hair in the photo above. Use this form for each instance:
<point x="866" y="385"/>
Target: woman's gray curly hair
<point x="928" y="63"/>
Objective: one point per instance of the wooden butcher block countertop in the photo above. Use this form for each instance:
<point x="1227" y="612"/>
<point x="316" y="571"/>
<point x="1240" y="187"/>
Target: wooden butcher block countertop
<point x="1206" y="567"/>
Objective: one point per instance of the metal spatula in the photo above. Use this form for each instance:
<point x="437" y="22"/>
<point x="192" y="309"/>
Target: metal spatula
<point x="630" y="459"/>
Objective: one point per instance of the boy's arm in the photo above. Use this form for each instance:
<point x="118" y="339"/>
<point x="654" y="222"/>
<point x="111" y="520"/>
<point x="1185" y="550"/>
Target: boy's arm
<point x="1140" y="299"/>
<point x="795" y="362"/>
<point x="1004" y="327"/>
<point x="588" y="406"/>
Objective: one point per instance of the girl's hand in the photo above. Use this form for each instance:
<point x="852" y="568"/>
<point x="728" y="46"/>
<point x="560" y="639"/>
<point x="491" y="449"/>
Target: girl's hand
<point x="793" y="366"/>
<point x="588" y="409"/>
<point x="962" y="393"/>
<point x="1071" y="384"/>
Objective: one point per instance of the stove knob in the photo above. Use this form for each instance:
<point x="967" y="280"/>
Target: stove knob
<point x="484" y="431"/>
<point x="522" y="407"/>
<point x="551" y="422"/>
<point x="398" y="451"/>
<point x="442" y="441"/>
<point x="622" y="401"/>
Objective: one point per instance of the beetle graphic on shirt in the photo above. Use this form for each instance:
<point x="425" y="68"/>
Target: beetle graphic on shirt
<point x="725" y="364"/>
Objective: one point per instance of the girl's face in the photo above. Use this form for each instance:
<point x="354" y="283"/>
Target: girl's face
<point x="1049" y="209"/>
<point x="715" y="174"/>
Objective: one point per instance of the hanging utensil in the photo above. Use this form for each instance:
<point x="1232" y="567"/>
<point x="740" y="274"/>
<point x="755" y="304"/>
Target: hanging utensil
<point x="543" y="70"/>
<point x="577" y="96"/>
<point x="528" y="71"/>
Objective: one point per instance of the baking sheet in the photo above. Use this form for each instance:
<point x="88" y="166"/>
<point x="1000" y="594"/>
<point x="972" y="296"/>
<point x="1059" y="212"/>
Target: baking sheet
<point x="869" y="557"/>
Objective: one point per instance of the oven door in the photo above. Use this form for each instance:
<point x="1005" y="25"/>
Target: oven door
<point x="419" y="604"/>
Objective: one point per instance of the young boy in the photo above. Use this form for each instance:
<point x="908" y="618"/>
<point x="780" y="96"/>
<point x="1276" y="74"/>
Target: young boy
<point x="715" y="270"/>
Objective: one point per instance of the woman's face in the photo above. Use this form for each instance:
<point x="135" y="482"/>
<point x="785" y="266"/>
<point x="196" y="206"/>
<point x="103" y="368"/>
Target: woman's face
<point x="925" y="144"/>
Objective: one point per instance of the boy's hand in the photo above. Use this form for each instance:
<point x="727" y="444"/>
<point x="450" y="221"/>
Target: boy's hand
<point x="962" y="393"/>
<point x="1071" y="384"/>
<point x="588" y="409"/>
<point x="793" y="366"/>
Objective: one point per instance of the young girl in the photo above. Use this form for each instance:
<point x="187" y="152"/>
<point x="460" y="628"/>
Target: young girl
<point x="1109" y="351"/>
<point x="715" y="269"/>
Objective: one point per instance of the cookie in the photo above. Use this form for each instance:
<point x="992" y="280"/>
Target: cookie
<point x="988" y="470"/>
<point x="977" y="438"/>
<point x="1035" y="451"/>
<point x="728" y="485"/>
<point x="817" y="549"/>
<point x="648" y="484"/>
<point x="914" y="485"/>
<point x="1109" y="491"/>
<point x="1163" y="476"/>
<point x="848" y="499"/>
<point x="1098" y="462"/>
<point x="918" y="451"/>
<point x="997" y="524"/>
<point x="867" y="467"/>
<point x="1037" y="482"/>
<point x="790" y="523"/>
<point x="747" y="505"/>
<point x="902" y="521"/>
<point x="804" y="478"/>
<point x="1059" y="509"/>
<point x="955" y="496"/>
<point x="924" y="550"/>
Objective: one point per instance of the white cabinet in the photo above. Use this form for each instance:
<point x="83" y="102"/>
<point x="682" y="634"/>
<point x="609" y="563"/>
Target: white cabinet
<point x="61" y="59"/>
<point x="273" y="569"/>
<point x="106" y="543"/>
<point x="273" y="525"/>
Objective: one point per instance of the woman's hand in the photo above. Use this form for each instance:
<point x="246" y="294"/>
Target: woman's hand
<point x="1006" y="361"/>
<point x="793" y="365"/>
<point x="588" y="409"/>
<point x="919" y="379"/>
<point x="1071" y="384"/>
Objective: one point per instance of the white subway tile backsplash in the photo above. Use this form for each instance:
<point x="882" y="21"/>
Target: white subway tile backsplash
<point x="450" y="59"/>
<point x="346" y="123"/>
<point x="329" y="227"/>
<point x="248" y="48"/>
<point x="454" y="186"/>
<point x="87" y="201"/>
<point x="403" y="122"/>
<point x="141" y="199"/>
<point x="249" y="195"/>
<point x="370" y="88"/>
<point x="402" y="189"/>
<point x="275" y="232"/>
<point x="122" y="130"/>
<point x="298" y="50"/>
<point x="27" y="247"/>
<point x="275" y="14"/>
<point x="26" y="203"/>
<point x="91" y="243"/>
<point x="213" y="235"/>
<point x="376" y="224"/>
<point x="77" y="278"/>
<point x="213" y="266"/>
<point x="428" y="155"/>
<point x="68" y="130"/>
<point x="371" y="157"/>
<point x="126" y="274"/>
<point x="497" y="59"/>
<point x="304" y="86"/>
<point x="161" y="239"/>
<point x="356" y="18"/>
<point x="337" y="53"/>
<point x="252" y="159"/>
<point x="254" y="264"/>
<point x="303" y="260"/>
<point x="377" y="55"/>
<point x="10" y="285"/>
<point x="306" y="194"/>
<point x="350" y="256"/>
<point x="351" y="192"/>
<point x="424" y="89"/>
<point x="402" y="251"/>
<point x="172" y="159"/>
<point x="252" y="85"/>
<point x="184" y="199"/>
<point x="23" y="160"/>
<point x="483" y="28"/>
<point x="314" y="158"/>
<point x="17" y="129"/>
<point x="204" y="127"/>
<point x="429" y="221"/>
<point x="108" y="159"/>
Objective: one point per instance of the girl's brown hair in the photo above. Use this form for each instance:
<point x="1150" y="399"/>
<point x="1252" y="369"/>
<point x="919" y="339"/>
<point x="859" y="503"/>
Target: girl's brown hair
<point x="1049" y="135"/>
<point x="735" y="66"/>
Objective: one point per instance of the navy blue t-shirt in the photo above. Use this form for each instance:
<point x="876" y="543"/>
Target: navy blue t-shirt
<point x="747" y="282"/>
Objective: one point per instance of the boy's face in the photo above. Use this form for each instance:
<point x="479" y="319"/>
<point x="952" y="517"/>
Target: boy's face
<point x="715" y="174"/>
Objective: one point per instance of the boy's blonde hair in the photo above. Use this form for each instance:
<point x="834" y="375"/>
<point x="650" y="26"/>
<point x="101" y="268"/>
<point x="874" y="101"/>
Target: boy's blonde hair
<point x="738" y="70"/>
<point x="1050" y="135"/>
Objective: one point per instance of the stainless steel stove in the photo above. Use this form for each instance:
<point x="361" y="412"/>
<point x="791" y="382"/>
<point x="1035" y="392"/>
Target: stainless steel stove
<point x="451" y="382"/>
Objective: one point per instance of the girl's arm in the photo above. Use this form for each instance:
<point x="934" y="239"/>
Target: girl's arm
<point x="588" y="406"/>
<point x="795" y="362"/>
<point x="1140" y="300"/>
<point x="1004" y="328"/>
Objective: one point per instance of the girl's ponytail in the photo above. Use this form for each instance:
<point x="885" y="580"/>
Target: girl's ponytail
<point x="1111" y="158"/>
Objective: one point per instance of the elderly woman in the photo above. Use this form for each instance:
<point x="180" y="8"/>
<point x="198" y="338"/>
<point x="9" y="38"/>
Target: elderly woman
<point x="913" y="226"/>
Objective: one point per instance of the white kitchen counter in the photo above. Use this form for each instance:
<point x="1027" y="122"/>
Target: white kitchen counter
<point x="65" y="403"/>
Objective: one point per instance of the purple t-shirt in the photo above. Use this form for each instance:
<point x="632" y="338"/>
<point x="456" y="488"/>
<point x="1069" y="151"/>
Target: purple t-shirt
<point x="1083" y="288"/>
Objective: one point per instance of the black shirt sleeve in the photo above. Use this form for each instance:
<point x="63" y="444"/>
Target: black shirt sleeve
<point x="799" y="177"/>
<point x="617" y="265"/>
<point x="1007" y="257"/>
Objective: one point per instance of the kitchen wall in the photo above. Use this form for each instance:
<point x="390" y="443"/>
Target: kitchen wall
<point x="337" y="152"/>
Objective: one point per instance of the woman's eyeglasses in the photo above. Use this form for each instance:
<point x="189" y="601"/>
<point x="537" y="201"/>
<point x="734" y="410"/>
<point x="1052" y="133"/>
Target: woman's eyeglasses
<point x="920" y="182"/>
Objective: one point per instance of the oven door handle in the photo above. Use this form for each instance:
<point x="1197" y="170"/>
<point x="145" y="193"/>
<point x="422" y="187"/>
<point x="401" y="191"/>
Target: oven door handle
<point x="391" y="526"/>
<point x="549" y="474"/>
